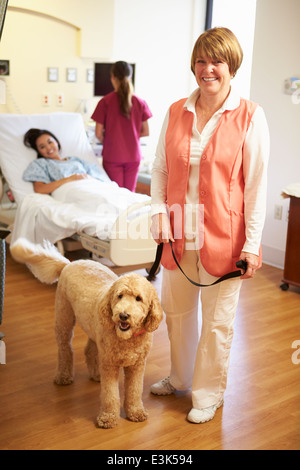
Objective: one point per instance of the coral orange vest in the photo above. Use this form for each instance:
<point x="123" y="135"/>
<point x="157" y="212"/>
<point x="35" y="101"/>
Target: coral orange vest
<point x="221" y="185"/>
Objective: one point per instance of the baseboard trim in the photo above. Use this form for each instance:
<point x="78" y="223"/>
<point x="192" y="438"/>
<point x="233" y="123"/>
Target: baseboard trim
<point x="273" y="256"/>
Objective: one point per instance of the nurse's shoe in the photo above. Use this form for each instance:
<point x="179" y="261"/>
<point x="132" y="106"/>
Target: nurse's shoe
<point x="163" y="387"/>
<point x="203" y="415"/>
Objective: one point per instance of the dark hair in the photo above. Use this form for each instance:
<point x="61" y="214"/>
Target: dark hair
<point x="32" y="135"/>
<point x="122" y="71"/>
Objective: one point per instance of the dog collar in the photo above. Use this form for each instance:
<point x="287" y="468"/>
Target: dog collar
<point x="139" y="333"/>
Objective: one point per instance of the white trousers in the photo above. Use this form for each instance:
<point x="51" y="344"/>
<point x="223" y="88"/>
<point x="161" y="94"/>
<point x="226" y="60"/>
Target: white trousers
<point x="199" y="360"/>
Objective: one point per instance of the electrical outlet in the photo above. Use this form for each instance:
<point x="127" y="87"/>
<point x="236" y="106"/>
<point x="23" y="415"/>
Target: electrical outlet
<point x="46" y="99"/>
<point x="60" y="100"/>
<point x="278" y="212"/>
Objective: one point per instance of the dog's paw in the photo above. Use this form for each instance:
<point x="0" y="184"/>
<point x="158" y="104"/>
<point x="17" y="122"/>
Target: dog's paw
<point x="61" y="379"/>
<point x="137" y="414"/>
<point x="95" y="378"/>
<point x="107" y="420"/>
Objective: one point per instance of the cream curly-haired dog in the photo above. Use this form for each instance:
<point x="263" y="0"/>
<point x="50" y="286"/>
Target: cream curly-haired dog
<point x="118" y="314"/>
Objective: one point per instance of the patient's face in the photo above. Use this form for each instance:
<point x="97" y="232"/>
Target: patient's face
<point x="47" y="147"/>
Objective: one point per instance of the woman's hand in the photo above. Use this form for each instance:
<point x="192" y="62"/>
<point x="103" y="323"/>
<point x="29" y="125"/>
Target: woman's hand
<point x="252" y="264"/>
<point x="99" y="132"/>
<point x="76" y="177"/>
<point x="48" y="188"/>
<point x="161" y="229"/>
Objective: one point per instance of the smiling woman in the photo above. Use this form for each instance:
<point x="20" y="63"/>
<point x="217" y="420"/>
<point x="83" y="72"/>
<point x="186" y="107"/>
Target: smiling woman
<point x="213" y="152"/>
<point x="49" y="171"/>
<point x="216" y="57"/>
<point x="213" y="78"/>
<point x="219" y="44"/>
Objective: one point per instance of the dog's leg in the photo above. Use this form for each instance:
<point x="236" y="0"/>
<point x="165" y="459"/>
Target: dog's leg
<point x="91" y="355"/>
<point x="134" y="378"/>
<point x="64" y="326"/>
<point x="110" y="399"/>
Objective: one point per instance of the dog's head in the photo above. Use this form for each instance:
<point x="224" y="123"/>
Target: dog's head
<point x="133" y="306"/>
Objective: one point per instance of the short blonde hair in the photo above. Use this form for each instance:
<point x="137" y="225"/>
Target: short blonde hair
<point x="221" y="44"/>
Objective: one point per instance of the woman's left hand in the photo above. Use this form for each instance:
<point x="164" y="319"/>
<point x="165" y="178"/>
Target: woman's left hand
<point x="252" y="264"/>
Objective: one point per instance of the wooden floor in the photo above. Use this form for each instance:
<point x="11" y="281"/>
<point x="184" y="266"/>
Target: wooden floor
<point x="262" y="401"/>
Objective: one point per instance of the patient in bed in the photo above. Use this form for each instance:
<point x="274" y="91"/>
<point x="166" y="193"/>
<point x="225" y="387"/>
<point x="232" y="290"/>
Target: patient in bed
<point x="49" y="171"/>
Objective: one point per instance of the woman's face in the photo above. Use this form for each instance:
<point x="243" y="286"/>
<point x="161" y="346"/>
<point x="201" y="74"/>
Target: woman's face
<point x="212" y="75"/>
<point x="47" y="147"/>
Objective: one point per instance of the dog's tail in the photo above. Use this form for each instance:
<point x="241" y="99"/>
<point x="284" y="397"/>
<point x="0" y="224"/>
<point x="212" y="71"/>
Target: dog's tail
<point x="45" y="262"/>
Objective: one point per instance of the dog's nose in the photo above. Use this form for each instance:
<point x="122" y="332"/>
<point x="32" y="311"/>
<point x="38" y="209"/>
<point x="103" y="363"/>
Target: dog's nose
<point x="123" y="316"/>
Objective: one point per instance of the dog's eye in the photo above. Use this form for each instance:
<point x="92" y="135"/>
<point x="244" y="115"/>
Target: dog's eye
<point x="138" y="298"/>
<point x="120" y="296"/>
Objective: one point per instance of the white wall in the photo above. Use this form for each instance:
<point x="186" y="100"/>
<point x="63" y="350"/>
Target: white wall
<point x="275" y="58"/>
<point x="32" y="43"/>
<point x="240" y="18"/>
<point x="159" y="36"/>
<point x="92" y="18"/>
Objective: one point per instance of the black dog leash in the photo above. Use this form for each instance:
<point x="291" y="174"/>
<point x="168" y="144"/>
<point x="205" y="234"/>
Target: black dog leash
<point x="240" y="264"/>
<point x="155" y="266"/>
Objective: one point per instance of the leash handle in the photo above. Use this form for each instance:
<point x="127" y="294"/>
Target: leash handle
<point x="240" y="264"/>
<point x="156" y="263"/>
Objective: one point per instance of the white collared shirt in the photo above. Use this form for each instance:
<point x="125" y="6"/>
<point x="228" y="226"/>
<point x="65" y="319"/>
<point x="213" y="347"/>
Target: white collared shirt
<point x="255" y="159"/>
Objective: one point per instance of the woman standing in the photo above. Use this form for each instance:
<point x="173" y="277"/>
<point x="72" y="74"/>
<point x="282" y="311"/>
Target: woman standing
<point x="211" y="163"/>
<point x="121" y="119"/>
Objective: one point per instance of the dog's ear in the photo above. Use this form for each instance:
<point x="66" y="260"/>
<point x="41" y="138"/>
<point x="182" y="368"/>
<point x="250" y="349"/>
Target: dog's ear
<point x="105" y="310"/>
<point x="155" y="314"/>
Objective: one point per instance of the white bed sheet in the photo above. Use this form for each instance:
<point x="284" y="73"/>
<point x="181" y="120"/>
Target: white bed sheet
<point x="88" y="206"/>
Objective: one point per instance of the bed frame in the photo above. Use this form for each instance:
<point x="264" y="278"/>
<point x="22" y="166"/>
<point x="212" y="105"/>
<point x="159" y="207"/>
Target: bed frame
<point x="123" y="252"/>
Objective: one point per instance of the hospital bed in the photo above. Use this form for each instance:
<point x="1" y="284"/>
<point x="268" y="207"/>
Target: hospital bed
<point x="121" y="236"/>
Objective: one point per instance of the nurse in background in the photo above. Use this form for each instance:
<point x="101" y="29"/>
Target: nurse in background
<point x="121" y="119"/>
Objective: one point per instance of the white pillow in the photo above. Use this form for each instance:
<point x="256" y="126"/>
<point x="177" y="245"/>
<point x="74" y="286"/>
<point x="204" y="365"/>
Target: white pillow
<point x="15" y="157"/>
